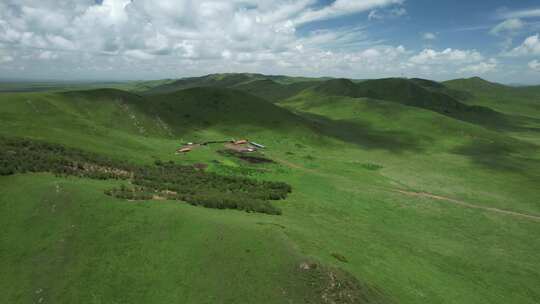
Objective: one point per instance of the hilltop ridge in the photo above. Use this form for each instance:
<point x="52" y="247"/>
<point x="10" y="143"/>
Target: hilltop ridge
<point x="361" y="183"/>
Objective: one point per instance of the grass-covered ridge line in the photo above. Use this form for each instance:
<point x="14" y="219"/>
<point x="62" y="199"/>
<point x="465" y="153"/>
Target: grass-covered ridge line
<point x="523" y="101"/>
<point x="267" y="86"/>
<point x="416" y="93"/>
<point x="401" y="197"/>
<point x="164" y="180"/>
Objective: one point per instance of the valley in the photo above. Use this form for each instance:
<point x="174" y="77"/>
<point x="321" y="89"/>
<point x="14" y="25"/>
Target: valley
<point x="389" y="190"/>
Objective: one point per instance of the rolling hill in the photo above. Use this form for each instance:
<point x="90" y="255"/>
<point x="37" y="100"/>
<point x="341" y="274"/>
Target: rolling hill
<point x="523" y="101"/>
<point x="213" y="80"/>
<point x="404" y="91"/>
<point x="274" y="91"/>
<point x="417" y="93"/>
<point x="197" y="107"/>
<point x="272" y="88"/>
<point x="397" y="195"/>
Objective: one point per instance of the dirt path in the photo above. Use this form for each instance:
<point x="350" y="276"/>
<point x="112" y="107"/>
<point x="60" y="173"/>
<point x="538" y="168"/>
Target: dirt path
<point x="425" y="194"/>
<point x="295" y="166"/>
<point x="468" y="205"/>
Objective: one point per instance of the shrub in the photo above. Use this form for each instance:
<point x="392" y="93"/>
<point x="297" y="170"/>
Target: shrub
<point x="371" y="166"/>
<point x="186" y="183"/>
<point x="339" y="257"/>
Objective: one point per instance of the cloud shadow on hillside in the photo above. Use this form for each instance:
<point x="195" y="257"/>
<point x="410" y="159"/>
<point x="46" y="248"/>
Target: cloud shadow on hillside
<point x="367" y="136"/>
<point x="503" y="157"/>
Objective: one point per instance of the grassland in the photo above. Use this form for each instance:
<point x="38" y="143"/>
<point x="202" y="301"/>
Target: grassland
<point x="407" y="199"/>
<point x="46" y="86"/>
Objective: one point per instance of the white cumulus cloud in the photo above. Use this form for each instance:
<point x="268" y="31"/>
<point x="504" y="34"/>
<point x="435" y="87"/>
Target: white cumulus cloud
<point x="173" y="38"/>
<point x="446" y="56"/>
<point x="480" y="68"/>
<point x="534" y="65"/>
<point x="531" y="46"/>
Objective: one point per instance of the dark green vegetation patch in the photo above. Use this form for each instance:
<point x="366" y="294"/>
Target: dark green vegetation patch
<point x="162" y="181"/>
<point x="187" y="183"/>
<point x="340" y="257"/>
<point x="423" y="192"/>
<point x="372" y="166"/>
<point x="252" y="159"/>
<point x="24" y="155"/>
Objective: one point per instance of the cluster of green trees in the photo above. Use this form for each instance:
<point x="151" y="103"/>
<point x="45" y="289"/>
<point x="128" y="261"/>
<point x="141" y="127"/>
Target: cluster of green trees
<point x="163" y="179"/>
<point x="237" y="171"/>
<point x="197" y="187"/>
<point x="229" y="201"/>
<point x="18" y="155"/>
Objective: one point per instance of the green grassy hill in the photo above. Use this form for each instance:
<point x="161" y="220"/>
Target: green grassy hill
<point x="441" y="88"/>
<point x="393" y="199"/>
<point x="219" y="108"/>
<point x="422" y="94"/>
<point x="272" y="88"/>
<point x="97" y="120"/>
<point x="274" y="91"/>
<point x="79" y="246"/>
<point x="474" y="84"/>
<point x="523" y="101"/>
<point x="212" y="80"/>
<point x="31" y="86"/>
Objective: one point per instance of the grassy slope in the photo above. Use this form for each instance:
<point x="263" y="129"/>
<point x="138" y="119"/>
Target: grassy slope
<point x="219" y="108"/>
<point x="433" y="152"/>
<point x="412" y="249"/>
<point x="192" y="241"/>
<point x="143" y="128"/>
<point x="102" y="124"/>
<point x="441" y="88"/>
<point x="272" y="88"/>
<point x="399" y="90"/>
<point x="419" y="93"/>
<point x="212" y="80"/>
<point x="27" y="86"/>
<point x="524" y="101"/>
<point x="428" y="238"/>
<point x="65" y="242"/>
<point x="521" y="102"/>
<point x="274" y="91"/>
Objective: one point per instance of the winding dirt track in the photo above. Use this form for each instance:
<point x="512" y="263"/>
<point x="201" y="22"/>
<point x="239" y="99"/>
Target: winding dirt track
<point x="429" y="195"/>
<point x="468" y="205"/>
<point x="295" y="166"/>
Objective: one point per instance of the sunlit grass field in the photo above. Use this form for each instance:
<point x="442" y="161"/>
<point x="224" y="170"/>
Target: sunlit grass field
<point x="419" y="207"/>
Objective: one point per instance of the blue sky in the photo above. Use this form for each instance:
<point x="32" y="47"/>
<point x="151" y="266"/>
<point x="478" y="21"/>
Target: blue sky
<point x="149" y="39"/>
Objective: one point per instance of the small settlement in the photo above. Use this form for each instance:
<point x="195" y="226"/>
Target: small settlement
<point x="241" y="145"/>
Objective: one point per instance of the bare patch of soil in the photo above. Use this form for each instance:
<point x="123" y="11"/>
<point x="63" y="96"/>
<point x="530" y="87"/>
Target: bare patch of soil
<point x="336" y="286"/>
